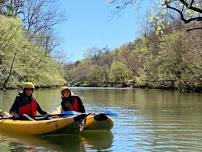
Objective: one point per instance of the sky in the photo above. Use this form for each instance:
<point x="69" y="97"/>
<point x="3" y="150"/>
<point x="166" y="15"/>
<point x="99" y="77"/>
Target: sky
<point x="91" y="23"/>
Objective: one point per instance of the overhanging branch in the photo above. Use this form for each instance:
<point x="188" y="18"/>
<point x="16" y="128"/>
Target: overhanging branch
<point x="199" y="18"/>
<point x="192" y="29"/>
<point x="190" y="6"/>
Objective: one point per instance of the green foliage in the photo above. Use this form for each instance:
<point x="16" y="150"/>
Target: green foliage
<point x="172" y="59"/>
<point x="96" y="75"/>
<point x="24" y="61"/>
<point x="118" y="72"/>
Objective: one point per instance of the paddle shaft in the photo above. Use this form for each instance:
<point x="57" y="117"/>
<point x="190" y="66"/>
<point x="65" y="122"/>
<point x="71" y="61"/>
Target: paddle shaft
<point x="77" y="113"/>
<point x="52" y="115"/>
<point x="1" y="118"/>
<point x="61" y="115"/>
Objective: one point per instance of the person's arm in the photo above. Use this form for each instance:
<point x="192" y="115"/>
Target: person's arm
<point x="81" y="106"/>
<point x="14" y="109"/>
<point x="63" y="107"/>
<point x="40" y="110"/>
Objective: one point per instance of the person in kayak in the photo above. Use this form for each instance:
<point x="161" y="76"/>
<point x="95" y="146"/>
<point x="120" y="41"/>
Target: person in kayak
<point x="25" y="105"/>
<point x="71" y="102"/>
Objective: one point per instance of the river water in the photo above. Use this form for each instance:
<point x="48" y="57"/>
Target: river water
<point x="148" y="120"/>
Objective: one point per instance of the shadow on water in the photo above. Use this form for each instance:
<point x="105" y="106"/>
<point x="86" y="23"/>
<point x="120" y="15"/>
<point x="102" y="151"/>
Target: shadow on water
<point x="99" y="140"/>
<point x="66" y="142"/>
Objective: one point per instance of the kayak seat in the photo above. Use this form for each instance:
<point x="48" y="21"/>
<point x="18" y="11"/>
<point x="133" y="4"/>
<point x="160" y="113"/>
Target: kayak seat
<point x="80" y="117"/>
<point x="100" y="117"/>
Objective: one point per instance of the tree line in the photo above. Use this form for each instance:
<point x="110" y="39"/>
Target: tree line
<point x="167" y="54"/>
<point x="26" y="43"/>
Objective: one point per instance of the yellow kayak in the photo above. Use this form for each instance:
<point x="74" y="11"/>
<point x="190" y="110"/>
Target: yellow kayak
<point x="93" y="121"/>
<point x="55" y="125"/>
<point x="98" y="122"/>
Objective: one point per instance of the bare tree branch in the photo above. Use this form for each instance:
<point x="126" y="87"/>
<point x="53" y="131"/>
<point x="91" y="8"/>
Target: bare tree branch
<point x="182" y="15"/>
<point x="190" y="6"/>
<point x="196" y="28"/>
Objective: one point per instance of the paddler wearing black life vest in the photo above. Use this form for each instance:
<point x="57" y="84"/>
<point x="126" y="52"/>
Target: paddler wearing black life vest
<point x="25" y="104"/>
<point x="71" y="102"/>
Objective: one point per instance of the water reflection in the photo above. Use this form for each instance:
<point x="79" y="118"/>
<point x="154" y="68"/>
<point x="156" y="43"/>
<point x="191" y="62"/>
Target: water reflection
<point x="67" y="142"/>
<point x="37" y="143"/>
<point x="99" y="140"/>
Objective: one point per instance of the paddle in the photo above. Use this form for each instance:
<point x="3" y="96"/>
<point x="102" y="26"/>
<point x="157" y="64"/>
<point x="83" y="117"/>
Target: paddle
<point x="110" y="113"/>
<point x="49" y="115"/>
<point x="52" y="115"/>
<point x="2" y="118"/>
<point x="66" y="113"/>
<point x="71" y="113"/>
<point x="78" y="118"/>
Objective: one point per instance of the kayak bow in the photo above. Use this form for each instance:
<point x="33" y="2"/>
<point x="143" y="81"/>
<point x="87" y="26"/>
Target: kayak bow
<point x="55" y="125"/>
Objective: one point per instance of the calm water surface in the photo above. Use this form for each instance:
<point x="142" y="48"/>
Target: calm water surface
<point x="148" y="120"/>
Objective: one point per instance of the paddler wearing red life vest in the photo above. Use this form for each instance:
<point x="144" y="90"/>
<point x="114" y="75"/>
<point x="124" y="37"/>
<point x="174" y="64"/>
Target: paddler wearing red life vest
<point x="25" y="103"/>
<point x="71" y="102"/>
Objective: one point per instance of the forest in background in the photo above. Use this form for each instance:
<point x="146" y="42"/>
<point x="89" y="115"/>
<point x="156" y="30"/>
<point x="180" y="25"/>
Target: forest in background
<point x="167" y="54"/>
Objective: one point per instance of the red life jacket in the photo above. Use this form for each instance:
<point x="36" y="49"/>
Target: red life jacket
<point x="30" y="108"/>
<point x="75" y="104"/>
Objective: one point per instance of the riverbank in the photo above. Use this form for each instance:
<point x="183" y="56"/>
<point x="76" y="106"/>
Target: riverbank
<point x="36" y="87"/>
<point x="166" y="85"/>
<point x="163" y="85"/>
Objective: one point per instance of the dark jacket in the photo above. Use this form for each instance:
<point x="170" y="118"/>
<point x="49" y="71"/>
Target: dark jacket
<point x="23" y="100"/>
<point x="72" y="103"/>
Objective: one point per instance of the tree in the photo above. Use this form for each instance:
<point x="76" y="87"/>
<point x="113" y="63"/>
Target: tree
<point x="11" y="40"/>
<point x="6" y="8"/>
<point x="131" y="58"/>
<point x="188" y="10"/>
<point x="118" y="72"/>
<point x="38" y="17"/>
<point x="18" y="58"/>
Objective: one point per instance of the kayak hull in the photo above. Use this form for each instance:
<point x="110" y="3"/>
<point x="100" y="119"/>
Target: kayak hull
<point x="98" y="122"/>
<point x="55" y="125"/>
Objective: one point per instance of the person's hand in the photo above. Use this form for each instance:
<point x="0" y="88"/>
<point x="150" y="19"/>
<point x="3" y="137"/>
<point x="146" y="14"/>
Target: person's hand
<point x="15" y="115"/>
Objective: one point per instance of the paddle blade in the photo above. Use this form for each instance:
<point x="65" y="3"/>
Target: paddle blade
<point x="110" y="113"/>
<point x="70" y="113"/>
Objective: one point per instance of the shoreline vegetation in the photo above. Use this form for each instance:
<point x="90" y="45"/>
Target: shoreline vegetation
<point x="27" y="43"/>
<point x="165" y="86"/>
<point x="164" y="56"/>
<point x="170" y="60"/>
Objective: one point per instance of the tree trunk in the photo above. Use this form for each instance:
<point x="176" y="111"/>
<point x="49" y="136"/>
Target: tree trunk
<point x="10" y="71"/>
